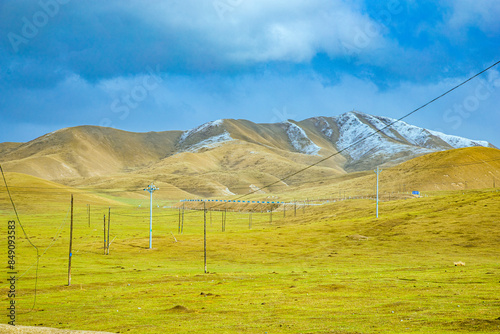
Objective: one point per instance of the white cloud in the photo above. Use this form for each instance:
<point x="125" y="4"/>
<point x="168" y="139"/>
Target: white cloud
<point x="261" y="30"/>
<point x="484" y="14"/>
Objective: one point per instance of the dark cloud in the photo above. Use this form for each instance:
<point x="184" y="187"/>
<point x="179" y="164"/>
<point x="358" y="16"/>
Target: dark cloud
<point x="73" y="60"/>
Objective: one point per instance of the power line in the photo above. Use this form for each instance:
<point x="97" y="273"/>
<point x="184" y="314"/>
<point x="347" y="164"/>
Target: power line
<point x="27" y="237"/>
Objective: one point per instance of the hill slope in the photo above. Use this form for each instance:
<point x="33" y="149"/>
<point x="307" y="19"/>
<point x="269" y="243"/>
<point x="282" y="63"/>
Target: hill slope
<point x="457" y="169"/>
<point x="32" y="193"/>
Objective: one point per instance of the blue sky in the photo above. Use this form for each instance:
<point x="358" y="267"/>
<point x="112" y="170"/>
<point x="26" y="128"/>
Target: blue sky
<point x="172" y="65"/>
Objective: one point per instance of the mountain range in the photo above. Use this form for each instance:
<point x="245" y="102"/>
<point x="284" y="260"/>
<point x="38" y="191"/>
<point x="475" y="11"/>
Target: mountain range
<point x="225" y="157"/>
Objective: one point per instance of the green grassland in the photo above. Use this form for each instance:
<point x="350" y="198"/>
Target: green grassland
<point x="333" y="268"/>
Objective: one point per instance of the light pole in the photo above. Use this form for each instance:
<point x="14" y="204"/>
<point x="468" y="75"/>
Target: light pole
<point x="151" y="188"/>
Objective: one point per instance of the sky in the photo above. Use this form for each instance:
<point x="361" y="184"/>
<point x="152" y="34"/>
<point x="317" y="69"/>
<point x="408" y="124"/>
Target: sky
<point x="142" y="66"/>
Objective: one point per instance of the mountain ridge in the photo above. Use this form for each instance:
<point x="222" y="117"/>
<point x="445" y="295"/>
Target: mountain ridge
<point x="226" y="156"/>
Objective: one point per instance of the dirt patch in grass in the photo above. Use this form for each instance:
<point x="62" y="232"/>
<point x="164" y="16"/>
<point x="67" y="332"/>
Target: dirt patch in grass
<point x="330" y="287"/>
<point x="179" y="309"/>
<point x="8" y="329"/>
<point x="357" y="237"/>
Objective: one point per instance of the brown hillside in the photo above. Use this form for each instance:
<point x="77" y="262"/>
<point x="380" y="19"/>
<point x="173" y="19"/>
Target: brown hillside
<point x="235" y="167"/>
<point x="464" y="168"/>
<point x="88" y="151"/>
<point x="458" y="169"/>
<point x="7" y="147"/>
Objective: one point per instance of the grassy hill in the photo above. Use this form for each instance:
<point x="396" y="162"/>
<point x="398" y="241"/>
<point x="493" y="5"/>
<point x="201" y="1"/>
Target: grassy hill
<point x="33" y="195"/>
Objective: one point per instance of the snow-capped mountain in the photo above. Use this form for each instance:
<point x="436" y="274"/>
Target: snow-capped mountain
<point x="362" y="136"/>
<point x="363" y="140"/>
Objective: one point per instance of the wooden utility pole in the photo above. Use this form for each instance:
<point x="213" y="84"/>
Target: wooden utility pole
<point x="182" y="221"/>
<point x="295" y="209"/>
<point x="179" y="228"/>
<point x="104" y="235"/>
<point x="271" y="214"/>
<point x="205" y="234"/>
<point x="70" y="243"/>
<point x="109" y="223"/>
<point x="284" y="210"/>
<point x="225" y="219"/>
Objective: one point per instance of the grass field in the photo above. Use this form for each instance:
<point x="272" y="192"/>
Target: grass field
<point x="333" y="269"/>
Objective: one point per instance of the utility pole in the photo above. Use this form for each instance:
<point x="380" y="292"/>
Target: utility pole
<point x="104" y="235"/>
<point x="109" y="223"/>
<point x="182" y="220"/>
<point x="70" y="243"/>
<point x="151" y="189"/>
<point x="205" y="234"/>
<point x="377" y="171"/>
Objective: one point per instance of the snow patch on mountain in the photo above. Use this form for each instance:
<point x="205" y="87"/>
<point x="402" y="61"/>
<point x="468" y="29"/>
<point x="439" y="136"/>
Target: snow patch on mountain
<point x="201" y="128"/>
<point x="418" y="136"/>
<point x="210" y="142"/>
<point x="227" y="192"/>
<point x="299" y="140"/>
<point x="256" y="189"/>
<point x="381" y="124"/>
<point x="353" y="130"/>
<point x="412" y="134"/>
<point x="459" y="142"/>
